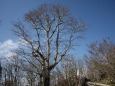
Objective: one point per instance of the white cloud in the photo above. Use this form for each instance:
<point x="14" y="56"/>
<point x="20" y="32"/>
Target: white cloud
<point x="6" y="47"/>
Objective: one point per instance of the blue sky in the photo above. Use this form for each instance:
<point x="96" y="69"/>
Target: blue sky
<point x="98" y="14"/>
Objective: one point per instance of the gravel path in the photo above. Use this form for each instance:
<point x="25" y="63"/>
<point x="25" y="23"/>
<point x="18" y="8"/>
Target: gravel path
<point x="96" y="84"/>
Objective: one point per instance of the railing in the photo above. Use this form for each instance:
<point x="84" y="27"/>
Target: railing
<point x="96" y="84"/>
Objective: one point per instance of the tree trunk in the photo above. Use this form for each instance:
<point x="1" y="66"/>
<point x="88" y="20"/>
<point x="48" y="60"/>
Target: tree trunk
<point x="40" y="83"/>
<point x="5" y="78"/>
<point x="46" y="78"/>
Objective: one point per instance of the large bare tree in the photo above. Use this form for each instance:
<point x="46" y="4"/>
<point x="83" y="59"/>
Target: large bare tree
<point x="49" y="32"/>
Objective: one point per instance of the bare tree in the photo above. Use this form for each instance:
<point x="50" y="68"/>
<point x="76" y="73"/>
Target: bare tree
<point x="50" y="33"/>
<point x="66" y="73"/>
<point x="10" y="72"/>
<point x="70" y="71"/>
<point x="101" y="60"/>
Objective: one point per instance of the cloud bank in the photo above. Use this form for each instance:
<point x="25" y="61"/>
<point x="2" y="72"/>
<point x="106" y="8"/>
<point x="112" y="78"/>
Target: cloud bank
<point x="6" y="47"/>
